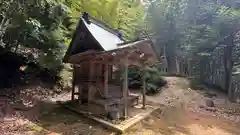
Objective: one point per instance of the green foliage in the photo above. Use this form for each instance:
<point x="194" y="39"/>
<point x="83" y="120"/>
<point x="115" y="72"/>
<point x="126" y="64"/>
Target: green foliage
<point x="39" y="25"/>
<point x="123" y="15"/>
<point x="183" y="28"/>
<point x="196" y="84"/>
<point x="187" y="27"/>
<point x="48" y="25"/>
<point x="154" y="81"/>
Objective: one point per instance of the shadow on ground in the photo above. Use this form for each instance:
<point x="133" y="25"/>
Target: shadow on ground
<point x="56" y="119"/>
<point x="49" y="118"/>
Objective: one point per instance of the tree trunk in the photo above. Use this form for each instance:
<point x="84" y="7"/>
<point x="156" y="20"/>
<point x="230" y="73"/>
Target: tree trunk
<point x="228" y="65"/>
<point x="226" y="69"/>
<point x="177" y="66"/>
<point x="171" y="64"/>
<point x="201" y="72"/>
<point x="165" y="59"/>
<point x="3" y="27"/>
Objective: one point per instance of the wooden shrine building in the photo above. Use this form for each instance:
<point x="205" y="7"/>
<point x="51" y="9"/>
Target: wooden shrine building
<point x="96" y="51"/>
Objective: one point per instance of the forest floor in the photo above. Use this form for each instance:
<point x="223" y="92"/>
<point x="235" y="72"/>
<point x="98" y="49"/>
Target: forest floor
<point x="183" y="111"/>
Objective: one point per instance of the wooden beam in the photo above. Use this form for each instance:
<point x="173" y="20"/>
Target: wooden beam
<point x="125" y="88"/>
<point x="115" y="60"/>
<point x="134" y="55"/>
<point x="118" y="128"/>
<point x="80" y="56"/>
<point x="105" y="80"/>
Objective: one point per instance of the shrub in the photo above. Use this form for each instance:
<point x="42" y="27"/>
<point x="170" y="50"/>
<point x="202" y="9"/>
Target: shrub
<point x="196" y="84"/>
<point x="154" y="81"/>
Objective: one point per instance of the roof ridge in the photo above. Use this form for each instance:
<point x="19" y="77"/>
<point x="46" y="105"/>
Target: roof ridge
<point x="103" y="25"/>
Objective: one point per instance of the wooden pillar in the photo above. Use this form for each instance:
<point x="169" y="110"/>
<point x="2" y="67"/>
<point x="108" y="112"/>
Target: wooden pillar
<point x="144" y="88"/>
<point x="125" y="89"/>
<point x="105" y="80"/>
<point x="73" y="83"/>
<point x="90" y="79"/>
<point x="79" y="94"/>
<point x="110" y="72"/>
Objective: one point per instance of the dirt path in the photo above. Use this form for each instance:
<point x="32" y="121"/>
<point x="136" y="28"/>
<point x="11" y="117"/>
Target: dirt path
<point x="175" y="92"/>
<point x="174" y="121"/>
<point x="183" y="114"/>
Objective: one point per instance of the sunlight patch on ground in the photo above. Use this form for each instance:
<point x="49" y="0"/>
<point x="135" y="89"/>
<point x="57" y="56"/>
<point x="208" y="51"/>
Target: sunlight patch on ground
<point x="200" y="130"/>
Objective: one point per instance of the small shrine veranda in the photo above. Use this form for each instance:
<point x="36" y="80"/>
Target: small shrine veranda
<point x="96" y="53"/>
